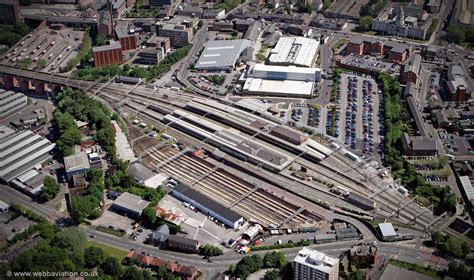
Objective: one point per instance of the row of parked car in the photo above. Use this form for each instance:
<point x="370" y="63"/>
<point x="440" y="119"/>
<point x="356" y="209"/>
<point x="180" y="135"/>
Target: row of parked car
<point x="351" y="112"/>
<point x="368" y="118"/>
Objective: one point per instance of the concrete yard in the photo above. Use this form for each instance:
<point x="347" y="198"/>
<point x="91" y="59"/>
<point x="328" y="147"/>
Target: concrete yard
<point x="197" y="225"/>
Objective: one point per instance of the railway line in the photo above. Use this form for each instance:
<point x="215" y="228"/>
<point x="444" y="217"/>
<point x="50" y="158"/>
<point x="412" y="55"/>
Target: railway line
<point x="333" y="174"/>
<point x="389" y="202"/>
<point x="215" y="182"/>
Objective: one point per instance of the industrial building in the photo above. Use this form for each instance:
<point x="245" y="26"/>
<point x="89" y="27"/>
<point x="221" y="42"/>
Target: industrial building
<point x="296" y="51"/>
<point x="179" y="29"/>
<point x="270" y="80"/>
<point x="222" y="54"/>
<point x="457" y="88"/>
<point x="468" y="190"/>
<point x="315" y="265"/>
<point x="76" y="164"/>
<point x="387" y="232"/>
<point x="363" y="255"/>
<point x="361" y="201"/>
<point x="11" y="102"/>
<point x="208" y="206"/>
<point x="108" y="54"/>
<point x="404" y="21"/>
<point x="30" y="182"/>
<point x="130" y="205"/>
<point x="127" y="37"/>
<point x="21" y="151"/>
<point x="9" y="11"/>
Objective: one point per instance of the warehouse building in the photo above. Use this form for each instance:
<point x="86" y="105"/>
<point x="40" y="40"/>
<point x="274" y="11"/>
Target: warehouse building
<point x="296" y="51"/>
<point x="108" y="54"/>
<point x="387" y="232"/>
<point x="11" y="102"/>
<point x="222" y="54"/>
<point x="76" y="164"/>
<point x="361" y="201"/>
<point x="208" y="206"/>
<point x="127" y="37"/>
<point x="20" y="152"/>
<point x="30" y="182"/>
<point x="270" y="80"/>
<point x="468" y="190"/>
<point x="130" y="205"/>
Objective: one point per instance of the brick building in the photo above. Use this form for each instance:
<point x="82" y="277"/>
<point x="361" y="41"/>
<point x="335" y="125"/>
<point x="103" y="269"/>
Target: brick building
<point x="411" y="70"/>
<point x="390" y="50"/>
<point x="128" y="40"/>
<point x="107" y="55"/>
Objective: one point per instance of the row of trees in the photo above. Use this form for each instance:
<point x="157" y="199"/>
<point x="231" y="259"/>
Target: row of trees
<point x="460" y="271"/>
<point x="460" y="34"/>
<point x="50" y="189"/>
<point x="93" y="74"/>
<point x="394" y="125"/>
<point x="88" y="205"/>
<point x="451" y="245"/>
<point x="250" y="264"/>
<point x="372" y="8"/>
<point x="10" y="34"/>
<point x="69" y="134"/>
<point x="83" y="51"/>
<point x="77" y="105"/>
<point x="67" y="251"/>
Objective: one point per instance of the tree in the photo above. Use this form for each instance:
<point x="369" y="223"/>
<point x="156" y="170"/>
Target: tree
<point x="24" y="63"/>
<point x="272" y="274"/>
<point x="365" y="24"/>
<point x="41" y="63"/>
<point x="100" y="40"/>
<point x="274" y="259"/>
<point x="149" y="215"/>
<point x="50" y="189"/>
<point x="457" y="34"/>
<point x="93" y="256"/>
<point x="200" y="24"/>
<point x="132" y="273"/>
<point x="111" y="266"/>
<point x="356" y="275"/>
<point x="210" y="250"/>
<point x="71" y="239"/>
<point x="456" y="246"/>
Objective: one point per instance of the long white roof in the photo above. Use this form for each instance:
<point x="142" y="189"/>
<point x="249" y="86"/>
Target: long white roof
<point x="294" y="50"/>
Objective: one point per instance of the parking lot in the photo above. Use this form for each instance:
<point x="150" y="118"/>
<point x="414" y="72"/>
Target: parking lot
<point x="357" y="119"/>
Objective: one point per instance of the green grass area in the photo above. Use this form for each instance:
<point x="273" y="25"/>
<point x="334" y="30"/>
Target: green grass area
<point x="414" y="267"/>
<point x="339" y="44"/>
<point x="111" y="231"/>
<point x="114" y="252"/>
